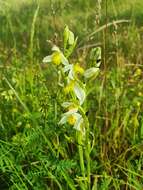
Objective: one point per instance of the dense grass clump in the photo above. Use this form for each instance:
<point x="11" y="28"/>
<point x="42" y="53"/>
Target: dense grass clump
<point x="38" y="153"/>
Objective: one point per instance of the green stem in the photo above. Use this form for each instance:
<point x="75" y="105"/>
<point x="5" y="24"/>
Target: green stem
<point x="87" y="154"/>
<point x="80" y="149"/>
<point x="87" y="144"/>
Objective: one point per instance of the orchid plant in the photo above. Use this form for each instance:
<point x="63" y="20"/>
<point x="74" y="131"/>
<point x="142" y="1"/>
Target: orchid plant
<point x="73" y="79"/>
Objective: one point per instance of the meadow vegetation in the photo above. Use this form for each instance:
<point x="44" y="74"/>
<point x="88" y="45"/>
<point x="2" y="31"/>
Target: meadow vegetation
<point x="63" y="61"/>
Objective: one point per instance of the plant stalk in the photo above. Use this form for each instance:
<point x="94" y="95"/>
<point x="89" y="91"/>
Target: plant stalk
<point x="80" y="149"/>
<point x="87" y="144"/>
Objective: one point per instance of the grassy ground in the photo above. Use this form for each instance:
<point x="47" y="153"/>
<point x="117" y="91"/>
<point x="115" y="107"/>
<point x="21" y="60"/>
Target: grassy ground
<point x="35" y="152"/>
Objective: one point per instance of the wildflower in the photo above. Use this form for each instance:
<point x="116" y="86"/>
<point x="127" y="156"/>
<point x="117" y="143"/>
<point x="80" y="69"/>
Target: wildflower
<point x="78" y="69"/>
<point x="77" y="89"/>
<point x="69" y="87"/>
<point x="138" y="72"/>
<point x="56" y="58"/>
<point x="73" y="70"/>
<point x="73" y="118"/>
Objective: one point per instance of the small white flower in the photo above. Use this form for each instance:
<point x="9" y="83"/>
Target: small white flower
<point x="73" y="118"/>
<point x="57" y="57"/>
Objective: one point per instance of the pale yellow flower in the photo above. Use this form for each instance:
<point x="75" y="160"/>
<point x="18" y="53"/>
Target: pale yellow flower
<point x="69" y="87"/>
<point x="71" y="119"/>
<point x="140" y="94"/>
<point x="78" y="69"/>
<point x="56" y="58"/>
<point x="138" y="72"/>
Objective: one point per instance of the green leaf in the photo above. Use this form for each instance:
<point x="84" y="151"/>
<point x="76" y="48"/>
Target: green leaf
<point x="68" y="37"/>
<point x="71" y="38"/>
<point x="71" y="48"/>
<point x="95" y="56"/>
<point x="95" y="53"/>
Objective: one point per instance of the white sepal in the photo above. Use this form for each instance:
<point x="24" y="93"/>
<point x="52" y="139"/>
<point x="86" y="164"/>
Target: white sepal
<point x="78" y="122"/>
<point x="63" y="120"/>
<point x="71" y="112"/>
<point x="55" y="48"/>
<point x="47" y="59"/>
<point x="80" y="93"/>
<point x="64" y="59"/>
<point x="91" y="72"/>
<point x="67" y="104"/>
